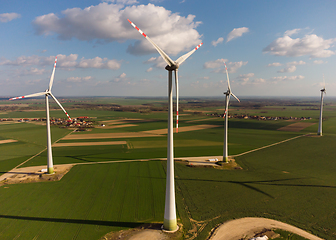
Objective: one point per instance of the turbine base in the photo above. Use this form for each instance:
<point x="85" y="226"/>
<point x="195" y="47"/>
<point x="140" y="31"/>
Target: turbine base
<point x="170" y="226"/>
<point x="50" y="170"/>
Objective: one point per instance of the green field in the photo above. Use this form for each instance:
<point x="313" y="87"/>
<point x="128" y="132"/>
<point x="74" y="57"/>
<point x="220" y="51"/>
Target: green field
<point x="293" y="182"/>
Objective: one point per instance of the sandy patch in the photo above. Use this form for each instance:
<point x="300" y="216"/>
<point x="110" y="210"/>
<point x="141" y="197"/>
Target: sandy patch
<point x="246" y="228"/>
<point x="7" y="141"/>
<point x="33" y="174"/>
<point x="296" y="127"/>
<point x="182" y="129"/>
<point x="77" y="144"/>
<point x="109" y="135"/>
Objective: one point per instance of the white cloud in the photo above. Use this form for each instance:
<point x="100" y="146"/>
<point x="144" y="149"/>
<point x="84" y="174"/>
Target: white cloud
<point x="218" y="65"/>
<point x="292" y="32"/>
<point x="295" y="63"/>
<point x="64" y="61"/>
<point x="149" y="69"/>
<point x="108" y="22"/>
<point x="122" y="77"/>
<point x="79" y="79"/>
<point x="219" y="40"/>
<point x="320" y="62"/>
<point x="124" y="2"/>
<point x="98" y="62"/>
<point x="157" y="62"/>
<point x="7" y="17"/>
<point x="236" y="32"/>
<point x="215" y="64"/>
<point x="288" y="69"/>
<point x="244" y="78"/>
<point x="285" y="78"/>
<point x="276" y="64"/>
<point x="310" y="45"/>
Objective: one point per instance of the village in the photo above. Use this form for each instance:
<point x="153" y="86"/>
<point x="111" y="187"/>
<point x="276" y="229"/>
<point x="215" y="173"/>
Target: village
<point x="79" y="122"/>
<point x="244" y="116"/>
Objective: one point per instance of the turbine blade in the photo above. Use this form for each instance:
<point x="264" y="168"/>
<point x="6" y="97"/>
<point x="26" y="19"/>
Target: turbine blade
<point x="28" y="96"/>
<point x="235" y="97"/>
<point x="161" y="52"/>
<point x="59" y="104"/>
<point x="181" y="59"/>
<point x="177" y="98"/>
<point x="52" y="75"/>
<point x="227" y="77"/>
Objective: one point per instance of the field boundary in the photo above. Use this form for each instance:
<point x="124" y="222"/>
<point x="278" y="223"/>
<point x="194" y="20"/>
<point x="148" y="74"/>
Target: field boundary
<point x="271" y="145"/>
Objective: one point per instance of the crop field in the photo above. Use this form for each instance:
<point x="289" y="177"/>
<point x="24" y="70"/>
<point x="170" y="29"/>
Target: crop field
<point x="292" y="182"/>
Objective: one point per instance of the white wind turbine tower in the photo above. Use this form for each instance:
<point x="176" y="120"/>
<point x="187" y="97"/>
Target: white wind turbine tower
<point x="228" y="93"/>
<point x="323" y="91"/>
<point x="170" y="222"/>
<point x="47" y="93"/>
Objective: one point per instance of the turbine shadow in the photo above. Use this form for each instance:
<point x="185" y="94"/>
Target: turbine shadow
<point x="76" y="221"/>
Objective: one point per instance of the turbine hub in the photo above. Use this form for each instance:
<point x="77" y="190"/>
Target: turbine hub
<point x="171" y="68"/>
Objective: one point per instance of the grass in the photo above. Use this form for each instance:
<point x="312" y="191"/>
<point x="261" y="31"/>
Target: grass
<point x="86" y="204"/>
<point x="293" y="182"/>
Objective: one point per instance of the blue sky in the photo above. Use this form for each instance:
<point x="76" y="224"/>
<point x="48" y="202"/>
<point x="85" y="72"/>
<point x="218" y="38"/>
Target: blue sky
<point x="272" y="48"/>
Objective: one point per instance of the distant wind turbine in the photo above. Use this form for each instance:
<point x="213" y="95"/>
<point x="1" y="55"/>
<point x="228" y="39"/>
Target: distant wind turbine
<point x="47" y="93"/>
<point x="170" y="222"/>
<point x="323" y="91"/>
<point x="228" y="93"/>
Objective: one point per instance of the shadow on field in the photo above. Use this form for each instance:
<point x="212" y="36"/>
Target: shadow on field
<point x="77" y="221"/>
<point x="275" y="182"/>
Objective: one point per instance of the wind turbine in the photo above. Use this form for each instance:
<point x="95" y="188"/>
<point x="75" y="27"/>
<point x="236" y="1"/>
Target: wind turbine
<point x="170" y="222"/>
<point x="47" y="93"/>
<point x="228" y="93"/>
<point x="323" y="91"/>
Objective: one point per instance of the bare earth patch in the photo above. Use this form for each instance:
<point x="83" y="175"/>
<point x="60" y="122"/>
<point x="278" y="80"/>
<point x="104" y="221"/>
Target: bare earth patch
<point x="33" y="174"/>
<point x="7" y="141"/>
<point x="246" y="228"/>
<point x="296" y="127"/>
<point x="119" y="126"/>
<point x="77" y="144"/>
<point x="182" y="129"/>
<point x="144" y="232"/>
<point x="109" y="135"/>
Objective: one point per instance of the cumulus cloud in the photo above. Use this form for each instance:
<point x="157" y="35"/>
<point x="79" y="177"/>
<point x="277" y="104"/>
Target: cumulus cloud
<point x="124" y="2"/>
<point x="276" y="64"/>
<point x="79" y="79"/>
<point x="64" y="61"/>
<point x="295" y="63"/>
<point x="292" y="32"/>
<point x="218" y="41"/>
<point x="215" y="64"/>
<point x="218" y="65"/>
<point x="311" y="45"/>
<point x="320" y="62"/>
<point x="236" y="32"/>
<point x="286" y="78"/>
<point x="244" y="78"/>
<point x="108" y="22"/>
<point x="157" y="62"/>
<point x="122" y="77"/>
<point x="149" y="69"/>
<point x="7" y="17"/>
<point x="288" y="69"/>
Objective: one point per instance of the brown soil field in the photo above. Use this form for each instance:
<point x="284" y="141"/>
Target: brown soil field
<point x="182" y="129"/>
<point x="197" y="120"/>
<point x="77" y="144"/>
<point x="7" y="141"/>
<point x="109" y="135"/>
<point x="296" y="127"/>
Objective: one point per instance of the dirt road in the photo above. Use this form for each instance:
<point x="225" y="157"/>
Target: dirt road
<point x="247" y="227"/>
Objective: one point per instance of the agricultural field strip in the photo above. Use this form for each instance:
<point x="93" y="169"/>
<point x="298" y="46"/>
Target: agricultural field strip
<point x="119" y="126"/>
<point x="7" y="141"/>
<point x="296" y="127"/>
<point x="239" y="228"/>
<point x="74" y="144"/>
<point x="150" y="133"/>
<point x="240" y="154"/>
